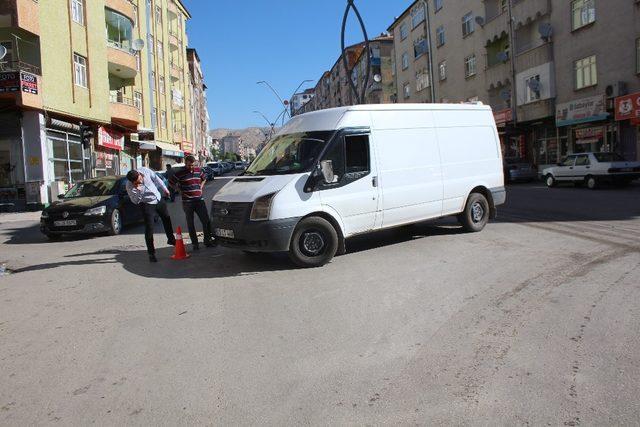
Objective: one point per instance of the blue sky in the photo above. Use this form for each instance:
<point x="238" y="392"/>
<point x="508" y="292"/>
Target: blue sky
<point x="281" y="41"/>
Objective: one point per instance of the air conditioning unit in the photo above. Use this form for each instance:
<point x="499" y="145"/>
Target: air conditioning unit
<point x="617" y="89"/>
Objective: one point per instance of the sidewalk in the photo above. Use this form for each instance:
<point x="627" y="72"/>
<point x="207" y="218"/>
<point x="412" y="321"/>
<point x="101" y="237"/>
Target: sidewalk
<point x="19" y="217"/>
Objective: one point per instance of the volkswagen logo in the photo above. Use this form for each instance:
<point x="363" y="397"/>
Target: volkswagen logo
<point x="65" y="214"/>
<point x="224" y="212"/>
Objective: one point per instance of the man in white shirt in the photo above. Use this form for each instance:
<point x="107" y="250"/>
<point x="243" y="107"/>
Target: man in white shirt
<point x="143" y="187"/>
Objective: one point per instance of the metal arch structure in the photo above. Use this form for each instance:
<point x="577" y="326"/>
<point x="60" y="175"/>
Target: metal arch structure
<point x="359" y="95"/>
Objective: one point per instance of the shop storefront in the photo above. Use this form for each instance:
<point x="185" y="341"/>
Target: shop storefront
<point x="109" y="144"/>
<point x="627" y="115"/>
<point x="12" y="190"/>
<point x="69" y="161"/>
<point x="165" y="154"/>
<point x="587" y="125"/>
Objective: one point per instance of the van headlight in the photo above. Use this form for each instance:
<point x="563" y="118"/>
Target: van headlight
<point x="262" y="208"/>
<point x="100" y="210"/>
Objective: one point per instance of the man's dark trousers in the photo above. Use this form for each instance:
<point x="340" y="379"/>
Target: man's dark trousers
<point x="148" y="212"/>
<point x="199" y="208"/>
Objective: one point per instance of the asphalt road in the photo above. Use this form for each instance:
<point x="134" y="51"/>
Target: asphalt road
<point x="533" y="321"/>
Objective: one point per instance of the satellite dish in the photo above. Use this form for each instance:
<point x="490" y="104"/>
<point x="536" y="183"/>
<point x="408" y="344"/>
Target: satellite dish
<point x="534" y="85"/>
<point x="480" y="20"/>
<point x="3" y="52"/>
<point x="505" y="94"/>
<point x="503" y="56"/>
<point x="137" y="45"/>
<point x="546" y="30"/>
<point x="377" y="78"/>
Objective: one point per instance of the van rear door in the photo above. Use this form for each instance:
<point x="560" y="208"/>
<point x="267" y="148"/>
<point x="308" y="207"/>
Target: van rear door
<point x="354" y="193"/>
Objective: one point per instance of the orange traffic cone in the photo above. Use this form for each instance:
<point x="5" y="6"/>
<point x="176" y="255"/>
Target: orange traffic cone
<point x="180" y="251"/>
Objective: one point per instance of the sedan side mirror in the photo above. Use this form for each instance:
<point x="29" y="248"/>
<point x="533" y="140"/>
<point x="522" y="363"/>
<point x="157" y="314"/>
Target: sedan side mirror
<point x="60" y="196"/>
<point x="326" y="166"/>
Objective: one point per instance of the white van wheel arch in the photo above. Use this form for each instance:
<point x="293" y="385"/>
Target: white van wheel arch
<point x="342" y="243"/>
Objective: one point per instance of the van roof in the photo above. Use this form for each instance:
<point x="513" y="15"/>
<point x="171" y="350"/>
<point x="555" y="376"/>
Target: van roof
<point x="329" y="118"/>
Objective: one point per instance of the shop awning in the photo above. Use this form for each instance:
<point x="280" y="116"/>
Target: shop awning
<point x="169" y="149"/>
<point x="147" y="145"/>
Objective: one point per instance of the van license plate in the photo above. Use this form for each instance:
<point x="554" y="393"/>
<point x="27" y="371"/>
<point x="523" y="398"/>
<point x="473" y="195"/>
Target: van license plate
<point x="65" y="223"/>
<point x="221" y="232"/>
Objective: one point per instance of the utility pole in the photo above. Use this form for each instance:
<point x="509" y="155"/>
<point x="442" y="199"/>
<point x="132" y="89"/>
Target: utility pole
<point x="432" y="83"/>
<point x="512" y="44"/>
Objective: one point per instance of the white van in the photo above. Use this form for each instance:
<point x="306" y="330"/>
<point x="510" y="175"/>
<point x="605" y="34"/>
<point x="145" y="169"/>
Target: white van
<point x="332" y="174"/>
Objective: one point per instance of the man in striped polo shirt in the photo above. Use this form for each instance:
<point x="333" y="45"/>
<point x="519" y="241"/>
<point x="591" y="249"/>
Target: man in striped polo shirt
<point x="190" y="182"/>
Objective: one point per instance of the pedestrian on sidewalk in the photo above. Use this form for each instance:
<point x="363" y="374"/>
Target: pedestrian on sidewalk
<point x="144" y="187"/>
<point x="190" y="181"/>
<point x="169" y="175"/>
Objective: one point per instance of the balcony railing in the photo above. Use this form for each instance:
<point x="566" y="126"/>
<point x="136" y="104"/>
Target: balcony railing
<point x="118" y="98"/>
<point x="120" y="46"/>
<point x="20" y="66"/>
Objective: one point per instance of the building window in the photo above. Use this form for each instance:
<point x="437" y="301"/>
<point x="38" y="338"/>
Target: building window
<point x="419" y="47"/>
<point x="470" y="66"/>
<point x="533" y="88"/>
<point x="151" y="43"/>
<point x="119" y="30"/>
<point x="417" y="16"/>
<point x="138" y="61"/>
<point x="137" y="101"/>
<point x="422" y="80"/>
<point x="504" y="6"/>
<point x="77" y="11"/>
<point x="442" y="69"/>
<point x="404" y="31"/>
<point x="162" y="83"/>
<point x="80" y="70"/>
<point x="153" y="81"/>
<point x="586" y="72"/>
<point x="583" y="12"/>
<point x="440" y="36"/>
<point x="467" y="24"/>
<point x="405" y="61"/>
<point x="406" y="89"/>
<point x="154" y="117"/>
<point x="437" y="5"/>
<point x="158" y="15"/>
<point x="638" y="56"/>
<point x="135" y="15"/>
<point x="160" y="51"/>
<point x="163" y="119"/>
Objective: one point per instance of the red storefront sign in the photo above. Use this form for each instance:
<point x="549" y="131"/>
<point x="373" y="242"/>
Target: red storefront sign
<point x="628" y="107"/>
<point x="503" y="116"/>
<point x="589" y="135"/>
<point x="187" y="147"/>
<point x="110" y="139"/>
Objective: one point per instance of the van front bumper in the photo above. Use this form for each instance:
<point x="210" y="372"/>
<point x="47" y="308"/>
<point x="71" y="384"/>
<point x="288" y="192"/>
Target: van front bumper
<point x="232" y="227"/>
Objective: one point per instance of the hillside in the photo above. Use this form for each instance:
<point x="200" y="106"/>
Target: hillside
<point x="253" y="136"/>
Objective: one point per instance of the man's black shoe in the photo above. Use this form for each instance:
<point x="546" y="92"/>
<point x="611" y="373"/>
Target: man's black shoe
<point x="152" y="258"/>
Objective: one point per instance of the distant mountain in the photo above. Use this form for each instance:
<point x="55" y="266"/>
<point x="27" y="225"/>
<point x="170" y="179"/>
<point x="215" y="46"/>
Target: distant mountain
<point x="253" y="136"/>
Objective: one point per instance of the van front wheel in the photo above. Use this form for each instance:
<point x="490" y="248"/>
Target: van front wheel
<point x="314" y="243"/>
<point x="476" y="213"/>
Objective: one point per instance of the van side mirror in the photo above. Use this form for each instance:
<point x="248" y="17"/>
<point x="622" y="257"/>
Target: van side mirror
<point x="326" y="166"/>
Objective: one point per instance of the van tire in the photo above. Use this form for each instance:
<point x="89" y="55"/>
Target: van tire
<point x="476" y="213"/>
<point x="550" y="181"/>
<point x="314" y="243"/>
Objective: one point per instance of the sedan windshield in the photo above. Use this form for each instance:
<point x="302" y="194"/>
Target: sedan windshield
<point x="288" y="154"/>
<point x="608" y="157"/>
<point x="92" y="188"/>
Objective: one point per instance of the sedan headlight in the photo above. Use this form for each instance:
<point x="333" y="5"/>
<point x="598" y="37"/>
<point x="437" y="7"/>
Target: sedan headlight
<point x="100" y="210"/>
<point x="262" y="208"/>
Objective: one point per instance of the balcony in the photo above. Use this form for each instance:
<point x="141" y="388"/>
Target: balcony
<point x="123" y="110"/>
<point x="498" y="75"/>
<point x="22" y="84"/>
<point x="125" y="7"/>
<point x="176" y="71"/>
<point x="20" y="14"/>
<point x="173" y="9"/>
<point x="122" y="61"/>
<point x="174" y="42"/>
<point x="496" y="27"/>
<point x="534" y="57"/>
<point x="526" y="12"/>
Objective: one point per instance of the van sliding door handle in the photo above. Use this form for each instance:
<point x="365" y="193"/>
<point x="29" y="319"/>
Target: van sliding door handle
<point x="374" y="181"/>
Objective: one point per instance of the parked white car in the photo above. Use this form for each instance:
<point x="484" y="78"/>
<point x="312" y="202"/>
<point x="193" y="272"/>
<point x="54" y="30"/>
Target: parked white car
<point x="591" y="169"/>
<point x="332" y="174"/>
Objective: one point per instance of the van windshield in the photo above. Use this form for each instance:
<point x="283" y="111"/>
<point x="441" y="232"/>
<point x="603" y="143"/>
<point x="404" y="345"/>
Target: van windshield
<point x="289" y="154"/>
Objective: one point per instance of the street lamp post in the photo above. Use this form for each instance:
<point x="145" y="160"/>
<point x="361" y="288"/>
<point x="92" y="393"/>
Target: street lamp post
<point x="274" y="92"/>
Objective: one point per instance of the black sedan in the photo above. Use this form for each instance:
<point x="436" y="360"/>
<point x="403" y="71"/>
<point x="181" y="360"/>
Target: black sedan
<point x="98" y="205"/>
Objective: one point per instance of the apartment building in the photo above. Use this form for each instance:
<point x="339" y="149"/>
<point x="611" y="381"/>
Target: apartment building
<point x="198" y="109"/>
<point x="551" y="69"/>
<point x="89" y="88"/>
<point x="381" y="88"/>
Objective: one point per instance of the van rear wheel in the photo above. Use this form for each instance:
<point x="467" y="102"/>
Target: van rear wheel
<point x="476" y="213"/>
<point x="314" y="243"/>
